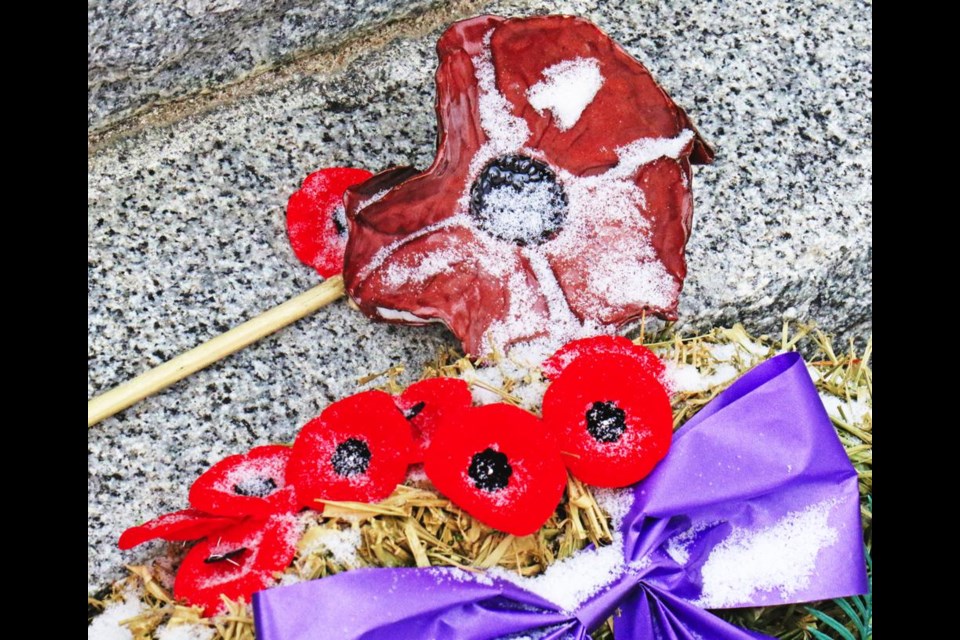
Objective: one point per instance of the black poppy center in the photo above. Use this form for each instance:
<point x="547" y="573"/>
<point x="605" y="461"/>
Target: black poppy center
<point x="351" y="457"/>
<point x="227" y="556"/>
<point x="259" y="487"/>
<point x="414" y="411"/>
<point x="518" y="199"/>
<point x="490" y="470"/>
<point x="340" y="220"/>
<point x="606" y="422"/>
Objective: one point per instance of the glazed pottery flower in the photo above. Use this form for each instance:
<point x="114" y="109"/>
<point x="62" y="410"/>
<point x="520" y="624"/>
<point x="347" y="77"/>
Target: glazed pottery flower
<point x="559" y="203"/>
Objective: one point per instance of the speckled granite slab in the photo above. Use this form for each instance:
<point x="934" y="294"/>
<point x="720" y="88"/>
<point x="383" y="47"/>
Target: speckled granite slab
<point x="140" y="52"/>
<point x="186" y="232"/>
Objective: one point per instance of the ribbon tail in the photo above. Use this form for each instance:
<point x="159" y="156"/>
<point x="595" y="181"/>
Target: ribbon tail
<point x="386" y="604"/>
<point x="650" y="613"/>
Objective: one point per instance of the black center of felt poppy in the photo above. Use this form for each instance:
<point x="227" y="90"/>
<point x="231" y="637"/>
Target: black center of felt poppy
<point x="606" y="422"/>
<point x="414" y="411"/>
<point x="340" y="220"/>
<point x="221" y="557"/>
<point x="518" y="199"/>
<point x="255" y="487"/>
<point x="351" y="457"/>
<point x="490" y="470"/>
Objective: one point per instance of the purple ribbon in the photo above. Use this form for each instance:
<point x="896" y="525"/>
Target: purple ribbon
<point x="756" y="504"/>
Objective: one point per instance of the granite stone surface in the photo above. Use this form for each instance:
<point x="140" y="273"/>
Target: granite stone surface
<point x="140" y="52"/>
<point x="186" y="228"/>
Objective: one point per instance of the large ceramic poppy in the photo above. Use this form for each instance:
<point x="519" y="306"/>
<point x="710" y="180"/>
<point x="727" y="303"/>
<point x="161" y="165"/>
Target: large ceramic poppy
<point x="559" y="203"/>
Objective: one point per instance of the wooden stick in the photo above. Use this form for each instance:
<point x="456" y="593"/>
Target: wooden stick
<point x="164" y="375"/>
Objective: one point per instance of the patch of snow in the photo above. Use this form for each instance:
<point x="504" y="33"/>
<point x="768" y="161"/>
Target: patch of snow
<point x="780" y="557"/>
<point x="567" y="89"/>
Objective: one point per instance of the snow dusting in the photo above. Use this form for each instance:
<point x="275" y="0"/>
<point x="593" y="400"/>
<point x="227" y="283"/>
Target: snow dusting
<point x="686" y="378"/>
<point x="779" y="558"/>
<point x="569" y="582"/>
<point x="341" y="545"/>
<point x="851" y="411"/>
<point x="186" y="631"/>
<point x="106" y="626"/>
<point x="567" y="89"/>
<point x="405" y="316"/>
<point x="678" y="546"/>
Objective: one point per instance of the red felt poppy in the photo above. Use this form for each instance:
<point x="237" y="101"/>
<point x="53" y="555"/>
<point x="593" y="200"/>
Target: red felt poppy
<point x="358" y="449"/>
<point x="613" y="420"/>
<point x="559" y="199"/>
<point x="496" y="463"/>
<point x="423" y="404"/>
<point x="237" y="562"/>
<point x="316" y="224"/>
<point x="249" y="484"/>
<point x="188" y="524"/>
<point x="553" y="366"/>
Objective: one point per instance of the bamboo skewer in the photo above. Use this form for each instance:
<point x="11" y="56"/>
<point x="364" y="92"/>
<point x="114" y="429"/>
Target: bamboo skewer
<point x="164" y="375"/>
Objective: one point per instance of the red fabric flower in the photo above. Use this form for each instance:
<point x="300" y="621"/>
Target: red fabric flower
<point x="250" y="484"/>
<point x="423" y="404"/>
<point x="553" y="366"/>
<point x="237" y="562"/>
<point x="188" y="524"/>
<point x="496" y="463"/>
<point x="613" y="420"/>
<point x="358" y="449"/>
<point x="559" y="202"/>
<point x="316" y="224"/>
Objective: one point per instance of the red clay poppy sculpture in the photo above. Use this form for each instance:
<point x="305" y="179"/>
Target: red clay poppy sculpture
<point x="559" y="203"/>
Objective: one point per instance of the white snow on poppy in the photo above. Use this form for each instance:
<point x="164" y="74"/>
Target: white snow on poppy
<point x="567" y="89"/>
<point x="404" y="316"/>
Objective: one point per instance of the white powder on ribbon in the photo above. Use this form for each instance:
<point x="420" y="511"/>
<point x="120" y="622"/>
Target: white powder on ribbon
<point x="567" y="89"/>
<point x="678" y="546"/>
<point x="781" y="557"/>
<point x="569" y="582"/>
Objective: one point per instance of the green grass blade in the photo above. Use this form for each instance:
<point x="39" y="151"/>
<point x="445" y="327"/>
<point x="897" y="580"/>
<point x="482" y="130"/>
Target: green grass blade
<point x="857" y="620"/>
<point x="830" y="622"/>
<point x="861" y="606"/>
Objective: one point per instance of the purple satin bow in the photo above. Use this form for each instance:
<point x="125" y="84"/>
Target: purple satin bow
<point x="755" y="504"/>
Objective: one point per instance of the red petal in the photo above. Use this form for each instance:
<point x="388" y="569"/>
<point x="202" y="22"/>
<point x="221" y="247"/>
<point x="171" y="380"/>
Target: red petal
<point x="188" y="524"/>
<point x="553" y="366"/>
<point x="629" y="409"/>
<point x="629" y="104"/>
<point x="249" y="484"/>
<point x="477" y="289"/>
<point x="245" y="560"/>
<point x="427" y="400"/>
<point x="491" y="435"/>
<point x="311" y="222"/>
<point x="357" y="450"/>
